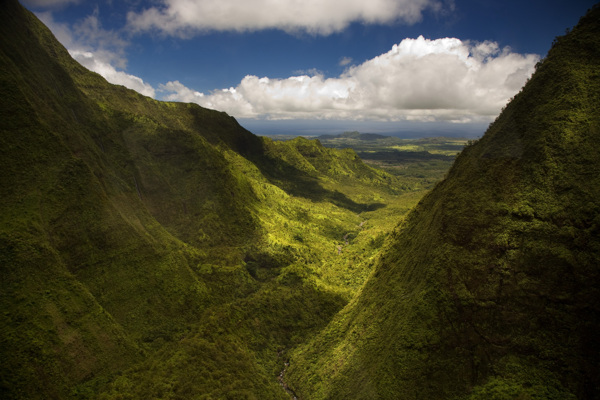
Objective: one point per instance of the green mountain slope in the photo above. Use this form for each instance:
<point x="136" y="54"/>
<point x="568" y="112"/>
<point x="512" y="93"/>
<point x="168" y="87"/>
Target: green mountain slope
<point x="160" y="250"/>
<point x="489" y="290"/>
<point x="88" y="274"/>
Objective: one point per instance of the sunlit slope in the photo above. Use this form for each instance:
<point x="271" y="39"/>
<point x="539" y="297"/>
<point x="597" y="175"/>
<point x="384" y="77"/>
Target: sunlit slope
<point x="490" y="289"/>
<point x="135" y="232"/>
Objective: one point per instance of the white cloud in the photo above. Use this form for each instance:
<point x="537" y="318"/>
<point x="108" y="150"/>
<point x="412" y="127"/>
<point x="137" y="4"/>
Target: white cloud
<point x="417" y="80"/>
<point x="186" y="17"/>
<point x="97" y="49"/>
<point x="62" y="32"/>
<point x="90" y="34"/>
<point x="94" y="63"/>
<point x="345" y="61"/>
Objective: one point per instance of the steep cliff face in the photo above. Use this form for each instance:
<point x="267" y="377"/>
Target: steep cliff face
<point x="127" y="224"/>
<point x="490" y="288"/>
<point x="88" y="271"/>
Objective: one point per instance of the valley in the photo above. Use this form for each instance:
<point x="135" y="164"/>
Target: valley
<point x="419" y="163"/>
<point x="160" y="250"/>
<point x="153" y="249"/>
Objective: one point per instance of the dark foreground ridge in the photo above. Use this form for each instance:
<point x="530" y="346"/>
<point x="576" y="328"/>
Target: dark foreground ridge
<point x="490" y="288"/>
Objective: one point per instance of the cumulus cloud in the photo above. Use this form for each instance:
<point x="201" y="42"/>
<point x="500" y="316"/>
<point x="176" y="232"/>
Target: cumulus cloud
<point x="417" y="80"/>
<point x="186" y="17"/>
<point x="345" y="61"/>
<point x="97" y="49"/>
<point x="110" y="44"/>
<point x="94" y="63"/>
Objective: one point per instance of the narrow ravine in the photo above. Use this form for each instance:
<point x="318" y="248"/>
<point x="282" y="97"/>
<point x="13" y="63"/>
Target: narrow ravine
<point x="281" y="379"/>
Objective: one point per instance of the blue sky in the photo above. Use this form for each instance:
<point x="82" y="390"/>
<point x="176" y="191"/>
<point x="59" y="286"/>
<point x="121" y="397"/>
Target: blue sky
<point x="405" y="67"/>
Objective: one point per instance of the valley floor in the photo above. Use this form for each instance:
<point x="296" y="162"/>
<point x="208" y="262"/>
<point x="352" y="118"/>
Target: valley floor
<point x="314" y="258"/>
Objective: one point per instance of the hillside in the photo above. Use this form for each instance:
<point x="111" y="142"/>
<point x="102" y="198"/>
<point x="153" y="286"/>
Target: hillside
<point x="489" y="289"/>
<point x="160" y="250"/>
<point x="419" y="163"/>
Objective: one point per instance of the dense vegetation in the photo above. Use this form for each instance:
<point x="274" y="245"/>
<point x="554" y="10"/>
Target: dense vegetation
<point x="490" y="288"/>
<point x="160" y="250"/>
<point x="420" y="163"/>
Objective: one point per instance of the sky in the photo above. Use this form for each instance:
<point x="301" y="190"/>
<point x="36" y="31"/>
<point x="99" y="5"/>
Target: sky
<point x="409" y="68"/>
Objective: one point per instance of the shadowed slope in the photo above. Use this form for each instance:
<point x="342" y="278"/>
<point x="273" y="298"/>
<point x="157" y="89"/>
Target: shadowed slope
<point x="489" y="290"/>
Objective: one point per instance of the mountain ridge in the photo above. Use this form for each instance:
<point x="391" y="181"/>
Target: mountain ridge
<point x="138" y="237"/>
<point x="488" y="288"/>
